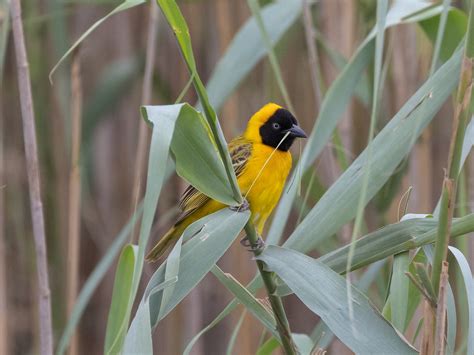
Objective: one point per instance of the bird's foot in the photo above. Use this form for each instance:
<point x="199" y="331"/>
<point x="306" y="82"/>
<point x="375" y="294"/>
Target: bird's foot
<point x="244" y="206"/>
<point x="257" y="247"/>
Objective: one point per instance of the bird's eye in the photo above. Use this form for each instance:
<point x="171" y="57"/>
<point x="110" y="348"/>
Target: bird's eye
<point x="276" y="125"/>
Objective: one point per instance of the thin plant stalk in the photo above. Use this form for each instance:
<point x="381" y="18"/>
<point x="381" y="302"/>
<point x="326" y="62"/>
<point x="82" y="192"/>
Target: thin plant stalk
<point x="255" y="9"/>
<point x="448" y="194"/>
<point x="441" y="312"/>
<point x="3" y="261"/>
<point x="74" y="211"/>
<point x="310" y="37"/>
<point x="143" y="132"/>
<point x="32" y="168"/>
<point x="283" y="327"/>
<point x="382" y="6"/>
<point x="457" y="137"/>
<point x="440" y="35"/>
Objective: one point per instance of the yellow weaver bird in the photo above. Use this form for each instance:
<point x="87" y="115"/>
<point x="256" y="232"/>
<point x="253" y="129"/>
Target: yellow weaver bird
<point x="261" y="161"/>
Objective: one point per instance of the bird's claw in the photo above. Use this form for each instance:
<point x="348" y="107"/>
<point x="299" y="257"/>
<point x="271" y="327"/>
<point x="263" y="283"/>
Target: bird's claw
<point x="244" y="206"/>
<point x="257" y="247"/>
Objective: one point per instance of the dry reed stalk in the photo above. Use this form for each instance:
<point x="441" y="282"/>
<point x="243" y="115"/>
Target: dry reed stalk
<point x="427" y="345"/>
<point x="32" y="169"/>
<point x="143" y="132"/>
<point x="74" y="211"/>
<point x="441" y="312"/>
<point x="3" y="264"/>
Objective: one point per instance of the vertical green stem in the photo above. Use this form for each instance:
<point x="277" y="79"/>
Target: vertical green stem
<point x="283" y="326"/>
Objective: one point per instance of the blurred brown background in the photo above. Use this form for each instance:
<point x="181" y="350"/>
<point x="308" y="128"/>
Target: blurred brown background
<point x="112" y="70"/>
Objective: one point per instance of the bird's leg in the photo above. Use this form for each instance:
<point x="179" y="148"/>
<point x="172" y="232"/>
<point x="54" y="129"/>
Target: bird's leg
<point x="244" y="206"/>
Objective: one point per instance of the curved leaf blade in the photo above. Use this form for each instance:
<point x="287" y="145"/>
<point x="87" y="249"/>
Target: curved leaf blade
<point x="367" y="333"/>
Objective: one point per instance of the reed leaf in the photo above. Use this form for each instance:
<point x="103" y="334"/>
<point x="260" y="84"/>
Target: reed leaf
<point x="366" y="333"/>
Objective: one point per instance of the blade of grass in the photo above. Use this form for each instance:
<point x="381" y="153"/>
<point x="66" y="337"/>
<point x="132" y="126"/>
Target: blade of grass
<point x="127" y="4"/>
<point x="469" y="287"/>
<point x="117" y="321"/>
<point x="94" y="280"/>
<point x="247" y="299"/>
<point x="382" y="6"/>
<point x="248" y="48"/>
<point x="255" y="9"/>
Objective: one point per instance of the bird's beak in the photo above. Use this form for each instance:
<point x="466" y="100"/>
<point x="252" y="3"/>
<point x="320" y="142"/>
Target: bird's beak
<point x="297" y="132"/>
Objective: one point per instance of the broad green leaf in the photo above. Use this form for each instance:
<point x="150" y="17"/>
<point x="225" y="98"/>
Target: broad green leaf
<point x="138" y="339"/>
<point x="117" y="321"/>
<point x="303" y="343"/>
<point x="324" y="292"/>
<point x="245" y="297"/>
<point x="392" y="144"/>
<point x="469" y="286"/>
<point x="399" y="291"/>
<point x="455" y="30"/>
<point x="247" y="48"/>
<point x="171" y="272"/>
<point x="196" y="156"/>
<point x="210" y="238"/>
<point x="94" y="280"/>
<point x="127" y="4"/>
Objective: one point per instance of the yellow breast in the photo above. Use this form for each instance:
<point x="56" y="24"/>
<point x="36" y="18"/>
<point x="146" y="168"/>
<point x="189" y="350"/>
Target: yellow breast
<point x="263" y="180"/>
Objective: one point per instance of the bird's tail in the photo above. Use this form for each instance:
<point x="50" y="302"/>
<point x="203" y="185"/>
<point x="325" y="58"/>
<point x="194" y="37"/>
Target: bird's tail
<point x="166" y="242"/>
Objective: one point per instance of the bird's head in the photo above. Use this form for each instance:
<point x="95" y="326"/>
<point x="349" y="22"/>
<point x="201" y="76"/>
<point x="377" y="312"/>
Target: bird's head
<point x="274" y="126"/>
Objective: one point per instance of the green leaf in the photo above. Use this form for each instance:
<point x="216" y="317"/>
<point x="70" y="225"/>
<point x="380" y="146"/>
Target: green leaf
<point x="325" y="293"/>
<point x="303" y="343"/>
<point x="127" y="4"/>
<point x="247" y="48"/>
<point x="248" y="300"/>
<point x="117" y="321"/>
<point x="196" y="156"/>
<point x="138" y="339"/>
<point x="390" y="146"/>
<point x="399" y="291"/>
<point x="94" y="280"/>
<point x="455" y="30"/>
<point x="268" y="347"/>
<point x="210" y="237"/>
<point x="393" y="239"/>
<point x="469" y="286"/>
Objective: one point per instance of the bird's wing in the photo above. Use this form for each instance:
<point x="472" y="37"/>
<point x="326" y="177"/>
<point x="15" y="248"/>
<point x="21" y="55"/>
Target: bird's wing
<point x="192" y="199"/>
